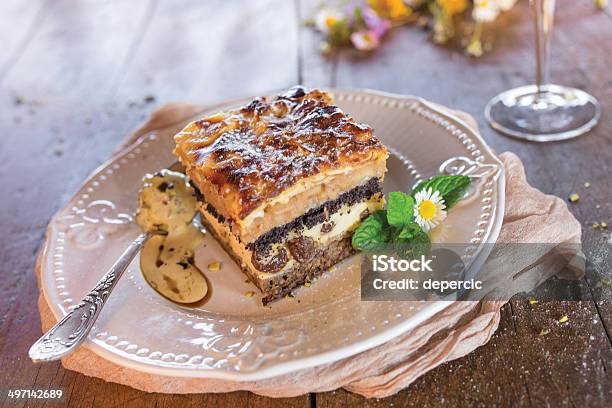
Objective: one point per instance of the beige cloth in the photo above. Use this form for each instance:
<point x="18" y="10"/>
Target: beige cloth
<point x="531" y="216"/>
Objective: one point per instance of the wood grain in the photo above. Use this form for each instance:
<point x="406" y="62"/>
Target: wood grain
<point x="88" y="73"/>
<point x="75" y="77"/>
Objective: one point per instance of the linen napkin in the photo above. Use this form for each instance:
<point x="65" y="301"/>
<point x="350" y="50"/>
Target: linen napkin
<point x="530" y="216"/>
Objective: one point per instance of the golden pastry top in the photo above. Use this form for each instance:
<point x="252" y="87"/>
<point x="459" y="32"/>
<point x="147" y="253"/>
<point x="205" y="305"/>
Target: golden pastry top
<point x="250" y="155"/>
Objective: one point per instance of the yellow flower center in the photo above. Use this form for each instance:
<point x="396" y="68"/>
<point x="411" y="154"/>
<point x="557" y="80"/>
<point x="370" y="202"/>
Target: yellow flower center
<point x="427" y="209"/>
<point x="330" y="21"/>
<point x="368" y="38"/>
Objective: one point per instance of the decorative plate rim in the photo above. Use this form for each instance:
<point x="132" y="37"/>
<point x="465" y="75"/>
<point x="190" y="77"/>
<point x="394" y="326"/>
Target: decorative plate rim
<point x="120" y="357"/>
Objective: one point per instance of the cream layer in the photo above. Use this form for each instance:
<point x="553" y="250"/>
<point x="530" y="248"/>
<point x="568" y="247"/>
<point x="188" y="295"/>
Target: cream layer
<point x="342" y="222"/>
<point x="306" y="194"/>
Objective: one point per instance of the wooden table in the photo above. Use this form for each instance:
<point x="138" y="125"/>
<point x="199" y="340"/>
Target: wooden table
<point x="76" y="76"/>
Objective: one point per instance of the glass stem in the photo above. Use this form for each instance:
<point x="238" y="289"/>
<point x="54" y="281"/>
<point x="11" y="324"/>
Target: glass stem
<point x="543" y="11"/>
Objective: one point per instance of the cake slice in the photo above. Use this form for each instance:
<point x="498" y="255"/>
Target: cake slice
<point x="282" y="183"/>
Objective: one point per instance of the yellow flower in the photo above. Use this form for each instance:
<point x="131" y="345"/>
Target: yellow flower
<point x="394" y="10"/>
<point x="474" y="48"/>
<point x="451" y="7"/>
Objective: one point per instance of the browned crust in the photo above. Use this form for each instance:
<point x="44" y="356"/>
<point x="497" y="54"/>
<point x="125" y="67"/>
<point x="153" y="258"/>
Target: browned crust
<point x="250" y="155"/>
<point x="282" y="284"/>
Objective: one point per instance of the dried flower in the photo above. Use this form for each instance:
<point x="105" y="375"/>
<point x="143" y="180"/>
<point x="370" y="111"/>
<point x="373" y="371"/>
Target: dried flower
<point x="474" y="48"/>
<point x="488" y="10"/>
<point x="326" y="18"/>
<point x="325" y="48"/>
<point x="374" y="23"/>
<point x="452" y="7"/>
<point x="485" y="11"/>
<point x="339" y="33"/>
<point x="393" y="10"/>
<point x="532" y="301"/>
<point x="365" y="40"/>
<point x="363" y="23"/>
<point x="563" y="319"/>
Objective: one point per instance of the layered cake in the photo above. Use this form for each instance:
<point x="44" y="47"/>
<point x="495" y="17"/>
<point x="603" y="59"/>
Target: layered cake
<point x="282" y="183"/>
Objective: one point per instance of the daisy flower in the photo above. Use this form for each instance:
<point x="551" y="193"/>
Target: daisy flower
<point x="429" y="209"/>
<point x="326" y="18"/>
<point x="485" y="10"/>
<point x="365" y="40"/>
<point x="488" y="10"/>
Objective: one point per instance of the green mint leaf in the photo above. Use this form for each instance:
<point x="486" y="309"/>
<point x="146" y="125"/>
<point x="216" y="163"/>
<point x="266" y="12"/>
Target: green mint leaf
<point x="419" y="244"/>
<point x="409" y="231"/>
<point x="451" y="188"/>
<point x="373" y="233"/>
<point x="400" y="208"/>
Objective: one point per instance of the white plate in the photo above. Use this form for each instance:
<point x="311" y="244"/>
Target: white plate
<point x="232" y="336"/>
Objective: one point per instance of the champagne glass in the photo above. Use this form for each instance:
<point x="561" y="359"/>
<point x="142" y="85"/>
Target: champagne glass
<point x="543" y="112"/>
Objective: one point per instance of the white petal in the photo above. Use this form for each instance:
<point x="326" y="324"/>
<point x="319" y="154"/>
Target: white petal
<point x="419" y="196"/>
<point x="321" y="17"/>
<point x="485" y="14"/>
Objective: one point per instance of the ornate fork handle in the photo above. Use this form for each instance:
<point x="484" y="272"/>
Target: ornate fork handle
<point x="73" y="328"/>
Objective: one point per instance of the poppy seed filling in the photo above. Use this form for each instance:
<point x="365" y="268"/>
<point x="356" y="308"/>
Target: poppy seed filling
<point x="309" y="219"/>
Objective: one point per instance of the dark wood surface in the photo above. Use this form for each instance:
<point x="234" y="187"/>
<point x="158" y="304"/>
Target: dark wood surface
<point x="76" y="76"/>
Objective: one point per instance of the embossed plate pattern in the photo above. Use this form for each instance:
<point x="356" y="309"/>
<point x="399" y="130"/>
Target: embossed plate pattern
<point x="232" y="336"/>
